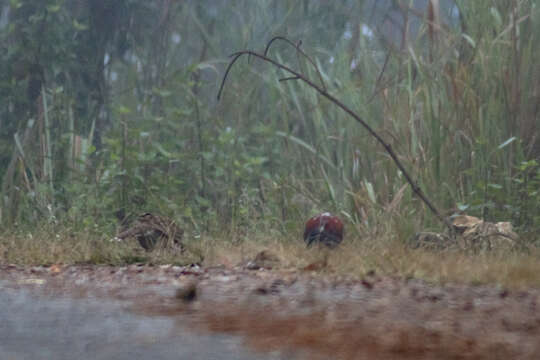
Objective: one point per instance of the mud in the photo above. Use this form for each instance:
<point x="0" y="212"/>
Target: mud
<point x="296" y="314"/>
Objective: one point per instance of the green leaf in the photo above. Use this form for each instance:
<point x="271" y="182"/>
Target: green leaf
<point x="202" y="201"/>
<point x="123" y="110"/>
<point x="462" y="207"/>
<point x="78" y="26"/>
<point x="370" y="191"/>
<point x="307" y="147"/>
<point x="182" y="112"/>
<point x="469" y="40"/>
<point x="188" y="212"/>
<point x="207" y="155"/>
<point x="258" y="160"/>
<point x="527" y="164"/>
<point x="206" y="65"/>
<point x="329" y="186"/>
<point x="15" y="4"/>
<point x="507" y="142"/>
<point x="161" y="92"/>
<point x="162" y="150"/>
<point x="18" y="144"/>
<point x="53" y="8"/>
<point x="219" y="172"/>
<point x="496" y="16"/>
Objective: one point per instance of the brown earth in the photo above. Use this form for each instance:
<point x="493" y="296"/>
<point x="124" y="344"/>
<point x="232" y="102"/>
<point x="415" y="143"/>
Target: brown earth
<point x="315" y="315"/>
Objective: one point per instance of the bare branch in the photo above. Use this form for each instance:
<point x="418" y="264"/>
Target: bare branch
<point x="235" y="57"/>
<point x="322" y="91"/>
<point x="298" y="50"/>
<point x="290" y="78"/>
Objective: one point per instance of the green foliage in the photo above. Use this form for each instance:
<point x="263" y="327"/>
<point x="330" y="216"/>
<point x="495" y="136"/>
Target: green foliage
<point x="111" y="105"/>
<point x="526" y="204"/>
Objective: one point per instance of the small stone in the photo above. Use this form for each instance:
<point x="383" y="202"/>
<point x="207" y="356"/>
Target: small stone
<point x="252" y="265"/>
<point x="187" y="293"/>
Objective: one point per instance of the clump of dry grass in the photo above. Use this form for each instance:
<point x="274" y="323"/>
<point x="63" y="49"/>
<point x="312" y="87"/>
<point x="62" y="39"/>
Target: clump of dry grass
<point x="392" y="257"/>
<point x="507" y="268"/>
<point x="47" y="245"/>
<point x="384" y="254"/>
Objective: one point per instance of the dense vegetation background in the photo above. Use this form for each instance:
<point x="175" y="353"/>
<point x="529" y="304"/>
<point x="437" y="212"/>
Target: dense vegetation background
<point x="111" y="104"/>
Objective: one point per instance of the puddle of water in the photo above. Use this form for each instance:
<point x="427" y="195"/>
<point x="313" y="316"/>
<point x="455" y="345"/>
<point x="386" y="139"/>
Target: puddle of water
<point x="40" y="327"/>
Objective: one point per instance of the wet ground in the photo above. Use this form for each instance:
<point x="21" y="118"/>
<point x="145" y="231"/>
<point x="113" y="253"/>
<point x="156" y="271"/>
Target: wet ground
<point x="39" y="322"/>
<point x="170" y="312"/>
<point x="44" y="328"/>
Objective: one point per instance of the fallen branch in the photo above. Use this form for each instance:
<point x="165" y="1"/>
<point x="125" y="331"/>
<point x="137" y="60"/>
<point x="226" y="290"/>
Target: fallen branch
<point x="321" y="90"/>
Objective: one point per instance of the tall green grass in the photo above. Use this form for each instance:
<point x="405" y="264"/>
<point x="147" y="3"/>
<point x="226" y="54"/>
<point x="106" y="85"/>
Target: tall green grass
<point x="455" y="98"/>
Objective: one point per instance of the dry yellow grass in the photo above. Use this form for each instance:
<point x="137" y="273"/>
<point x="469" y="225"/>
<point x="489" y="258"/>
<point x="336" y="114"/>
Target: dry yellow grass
<point x="513" y="269"/>
<point x="355" y="258"/>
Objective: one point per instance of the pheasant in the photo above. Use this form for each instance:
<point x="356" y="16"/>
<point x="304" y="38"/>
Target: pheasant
<point x="325" y="229"/>
<point x="151" y="229"/>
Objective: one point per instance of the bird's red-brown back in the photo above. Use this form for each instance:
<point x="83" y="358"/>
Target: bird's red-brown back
<point x="324" y="228"/>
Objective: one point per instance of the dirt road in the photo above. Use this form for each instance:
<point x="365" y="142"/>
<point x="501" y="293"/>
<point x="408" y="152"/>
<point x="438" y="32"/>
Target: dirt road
<point x="278" y="314"/>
